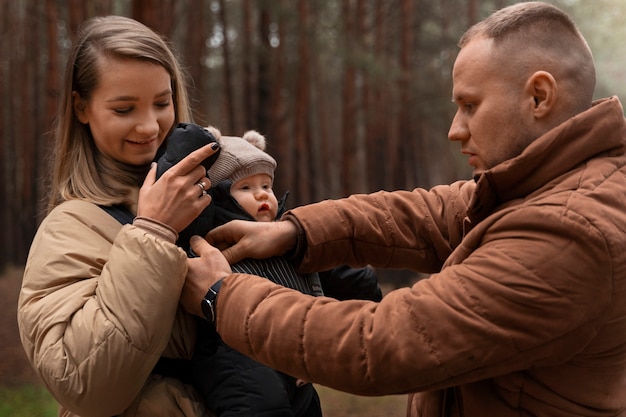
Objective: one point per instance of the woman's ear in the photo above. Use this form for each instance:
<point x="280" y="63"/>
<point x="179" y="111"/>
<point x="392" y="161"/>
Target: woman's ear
<point x="79" y="108"/>
<point x="542" y="90"/>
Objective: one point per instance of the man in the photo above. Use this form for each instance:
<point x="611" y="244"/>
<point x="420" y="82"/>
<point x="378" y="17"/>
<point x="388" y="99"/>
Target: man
<point x="527" y="314"/>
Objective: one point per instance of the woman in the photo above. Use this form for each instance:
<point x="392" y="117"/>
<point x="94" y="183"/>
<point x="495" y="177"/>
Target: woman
<point x="99" y="301"/>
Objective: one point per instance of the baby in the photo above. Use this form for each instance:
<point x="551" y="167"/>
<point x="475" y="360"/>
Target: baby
<point x="232" y="384"/>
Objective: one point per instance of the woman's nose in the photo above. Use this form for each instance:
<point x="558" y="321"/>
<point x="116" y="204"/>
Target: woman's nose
<point x="148" y="125"/>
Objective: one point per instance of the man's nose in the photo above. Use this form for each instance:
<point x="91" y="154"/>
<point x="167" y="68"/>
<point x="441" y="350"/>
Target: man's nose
<point x="458" y="128"/>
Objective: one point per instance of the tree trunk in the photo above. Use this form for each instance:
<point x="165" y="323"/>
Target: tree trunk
<point x="249" y="99"/>
<point x="156" y="14"/>
<point x="229" y="97"/>
<point x="407" y="115"/>
<point x="264" y="60"/>
<point x="16" y="80"/>
<point x="195" y="52"/>
<point x="472" y="12"/>
<point x="26" y="182"/>
<point x="77" y="15"/>
<point x="377" y="131"/>
<point x="272" y="72"/>
<point x="348" y="103"/>
<point x="359" y="177"/>
<point x="301" y="126"/>
<point x="5" y="91"/>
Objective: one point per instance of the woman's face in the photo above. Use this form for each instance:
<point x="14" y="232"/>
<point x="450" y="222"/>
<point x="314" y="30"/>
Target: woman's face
<point x="131" y="110"/>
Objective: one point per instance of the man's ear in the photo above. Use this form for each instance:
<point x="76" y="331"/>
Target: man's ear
<point x="79" y="107"/>
<point x="542" y="90"/>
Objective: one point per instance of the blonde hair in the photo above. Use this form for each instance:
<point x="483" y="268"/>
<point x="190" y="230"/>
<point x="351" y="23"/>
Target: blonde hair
<point x="80" y="171"/>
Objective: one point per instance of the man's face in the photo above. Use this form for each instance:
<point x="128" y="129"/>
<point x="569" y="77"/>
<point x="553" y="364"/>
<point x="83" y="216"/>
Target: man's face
<point x="493" y="115"/>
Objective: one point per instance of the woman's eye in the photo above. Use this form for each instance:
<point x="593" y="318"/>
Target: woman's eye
<point x="163" y="104"/>
<point x="124" y="110"/>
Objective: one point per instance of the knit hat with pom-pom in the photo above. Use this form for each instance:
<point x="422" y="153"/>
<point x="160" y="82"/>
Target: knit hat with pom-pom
<point x="241" y="157"/>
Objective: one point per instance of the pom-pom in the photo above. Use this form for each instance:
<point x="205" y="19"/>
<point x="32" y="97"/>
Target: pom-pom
<point x="215" y="132"/>
<point x="255" y="138"/>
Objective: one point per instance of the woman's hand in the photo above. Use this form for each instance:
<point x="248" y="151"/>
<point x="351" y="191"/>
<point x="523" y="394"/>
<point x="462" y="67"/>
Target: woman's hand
<point x="178" y="196"/>
<point x="240" y="239"/>
<point x="203" y="271"/>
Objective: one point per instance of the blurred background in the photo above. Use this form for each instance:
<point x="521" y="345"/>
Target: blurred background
<point x="352" y="95"/>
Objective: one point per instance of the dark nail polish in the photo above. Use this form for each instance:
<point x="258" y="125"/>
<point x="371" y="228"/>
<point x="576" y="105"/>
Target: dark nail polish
<point x="215" y="145"/>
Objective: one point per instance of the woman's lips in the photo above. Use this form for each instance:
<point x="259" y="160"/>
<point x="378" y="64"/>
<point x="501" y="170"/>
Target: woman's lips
<point x="141" y="143"/>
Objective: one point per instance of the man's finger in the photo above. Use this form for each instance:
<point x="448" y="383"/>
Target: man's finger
<point x="199" y="245"/>
<point x="232" y="254"/>
<point x="222" y="236"/>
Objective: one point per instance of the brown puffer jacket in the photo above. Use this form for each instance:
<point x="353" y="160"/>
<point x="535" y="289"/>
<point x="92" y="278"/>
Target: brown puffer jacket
<point x="526" y="316"/>
<point x="98" y="307"/>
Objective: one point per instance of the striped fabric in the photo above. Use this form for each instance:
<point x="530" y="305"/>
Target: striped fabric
<point x="281" y="271"/>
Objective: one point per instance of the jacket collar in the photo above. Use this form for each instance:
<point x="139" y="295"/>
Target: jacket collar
<point x="599" y="130"/>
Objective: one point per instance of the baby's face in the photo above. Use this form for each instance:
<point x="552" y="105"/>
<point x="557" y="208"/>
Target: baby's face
<point x="255" y="195"/>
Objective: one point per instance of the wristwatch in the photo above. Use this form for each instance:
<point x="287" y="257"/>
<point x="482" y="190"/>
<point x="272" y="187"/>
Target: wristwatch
<point x="209" y="301"/>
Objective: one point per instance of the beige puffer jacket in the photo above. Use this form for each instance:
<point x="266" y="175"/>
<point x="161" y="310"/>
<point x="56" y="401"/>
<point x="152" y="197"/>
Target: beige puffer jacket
<point x="98" y="307"/>
<point x="527" y="315"/>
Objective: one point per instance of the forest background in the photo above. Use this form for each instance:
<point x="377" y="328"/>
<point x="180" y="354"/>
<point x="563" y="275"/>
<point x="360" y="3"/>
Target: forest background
<point x="352" y="95"/>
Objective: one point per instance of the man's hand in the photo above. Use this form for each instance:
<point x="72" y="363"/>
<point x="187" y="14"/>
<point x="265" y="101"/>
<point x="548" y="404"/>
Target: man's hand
<point x="240" y="239"/>
<point x="203" y="271"/>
